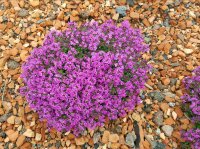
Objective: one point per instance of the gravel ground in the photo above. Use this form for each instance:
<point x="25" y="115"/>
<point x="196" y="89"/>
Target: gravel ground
<point x="170" y="27"/>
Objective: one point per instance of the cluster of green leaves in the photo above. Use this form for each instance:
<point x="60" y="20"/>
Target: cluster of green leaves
<point x="185" y="145"/>
<point x="81" y="52"/>
<point x="62" y="71"/>
<point x="127" y="75"/>
<point x="187" y="110"/>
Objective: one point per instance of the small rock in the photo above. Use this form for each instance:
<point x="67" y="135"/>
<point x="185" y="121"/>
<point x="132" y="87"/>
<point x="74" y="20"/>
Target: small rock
<point x="164" y="106"/>
<point x="11" y="120"/>
<point x="136" y="117"/>
<point x="121" y="10"/>
<point x="36" y="13"/>
<point x="23" y="13"/>
<point x="156" y="95"/>
<point x="192" y="14"/>
<point x="158" y="145"/>
<point x="68" y="142"/>
<point x="38" y="137"/>
<point x="113" y="138"/>
<point x="3" y="61"/>
<point x="118" y="129"/>
<point x="158" y="118"/>
<point x="115" y="16"/>
<point x="158" y="131"/>
<point x="162" y="136"/>
<point x="29" y="133"/>
<point x="130" y="2"/>
<point x="12" y="64"/>
<point x="167" y="130"/>
<point x="134" y="15"/>
<point x="174" y="115"/>
<point x="96" y="137"/>
<point x="3" y="135"/>
<point x="151" y="19"/>
<point x="84" y="14"/>
<point x="15" y="5"/>
<point x="4" y="117"/>
<point x="7" y="106"/>
<point x="20" y="140"/>
<point x="80" y="141"/>
<point x="130" y="139"/>
<point x="146" y="22"/>
<point x="105" y="137"/>
<point x="187" y="51"/>
<point x="34" y="3"/>
<point x="190" y="67"/>
<point x="172" y="104"/>
<point x="169" y="94"/>
<point x="12" y="135"/>
<point x="165" y="81"/>
<point x="147" y="108"/>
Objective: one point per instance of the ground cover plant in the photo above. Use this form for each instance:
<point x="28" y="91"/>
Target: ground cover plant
<point x="192" y="85"/>
<point x="86" y="74"/>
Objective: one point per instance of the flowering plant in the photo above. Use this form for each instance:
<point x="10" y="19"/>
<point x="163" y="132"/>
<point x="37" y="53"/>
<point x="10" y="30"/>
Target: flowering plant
<point x="192" y="85"/>
<point x="85" y="74"/>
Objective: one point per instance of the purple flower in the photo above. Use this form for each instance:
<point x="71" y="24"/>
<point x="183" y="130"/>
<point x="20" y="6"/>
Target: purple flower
<point x="192" y="85"/>
<point x="83" y="75"/>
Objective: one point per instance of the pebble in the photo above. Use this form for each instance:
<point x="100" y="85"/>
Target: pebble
<point x="187" y="51"/>
<point x="7" y="106"/>
<point x="38" y="137"/>
<point x="96" y="137"/>
<point x="4" y="117"/>
<point x="156" y="95"/>
<point x="158" y="145"/>
<point x="12" y="64"/>
<point x="29" y="133"/>
<point x="164" y="106"/>
<point x="105" y="137"/>
<point x="80" y="141"/>
<point x="121" y="10"/>
<point x="34" y="3"/>
<point x="162" y="136"/>
<point x="134" y="15"/>
<point x="12" y="135"/>
<point x="167" y="129"/>
<point x="172" y="104"/>
<point x="20" y="140"/>
<point x="113" y="138"/>
<point x="130" y="139"/>
<point x="174" y="115"/>
<point x="158" y="118"/>
<point x="130" y="2"/>
<point x="23" y="13"/>
<point x="11" y="119"/>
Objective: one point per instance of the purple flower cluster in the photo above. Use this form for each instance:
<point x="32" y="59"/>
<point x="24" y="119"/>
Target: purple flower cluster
<point x="85" y="74"/>
<point x="192" y="85"/>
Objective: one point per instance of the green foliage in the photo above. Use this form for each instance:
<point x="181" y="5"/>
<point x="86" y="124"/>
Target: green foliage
<point x="113" y="91"/>
<point x="62" y="71"/>
<point x="127" y="76"/>
<point x="185" y="145"/>
<point x="81" y="52"/>
<point x="197" y="125"/>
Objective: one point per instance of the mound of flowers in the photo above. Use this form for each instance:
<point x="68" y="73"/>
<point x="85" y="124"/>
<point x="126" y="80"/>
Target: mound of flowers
<point x="192" y="85"/>
<point x="83" y="75"/>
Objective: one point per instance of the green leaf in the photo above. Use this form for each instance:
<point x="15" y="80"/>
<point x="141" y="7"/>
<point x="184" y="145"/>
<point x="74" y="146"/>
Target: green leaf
<point x="197" y="125"/>
<point x="185" y="145"/>
<point x="65" y="50"/>
<point x="64" y="116"/>
<point x="113" y="90"/>
<point x="62" y="71"/>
